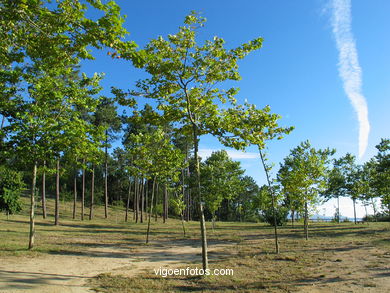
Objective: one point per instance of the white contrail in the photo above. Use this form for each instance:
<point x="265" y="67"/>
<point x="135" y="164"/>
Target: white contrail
<point x="349" y="68"/>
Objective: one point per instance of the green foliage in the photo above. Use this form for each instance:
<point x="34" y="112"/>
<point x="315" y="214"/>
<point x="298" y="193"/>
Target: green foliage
<point x="11" y="186"/>
<point x="221" y="179"/>
<point x="303" y="174"/>
<point x="281" y="214"/>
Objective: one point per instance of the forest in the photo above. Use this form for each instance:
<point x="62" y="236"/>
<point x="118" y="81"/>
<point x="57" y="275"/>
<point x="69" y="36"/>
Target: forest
<point x="134" y="154"/>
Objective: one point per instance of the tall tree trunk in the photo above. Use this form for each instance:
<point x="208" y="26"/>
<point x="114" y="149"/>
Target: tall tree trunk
<point x="306" y="223"/>
<point x="354" y="210"/>
<point x="128" y="200"/>
<point x="92" y="193"/>
<point x="156" y="201"/>
<point x="146" y="197"/>
<point x="142" y="199"/>
<point x="44" y="190"/>
<point x="57" y="204"/>
<point x="164" y="204"/>
<point x="75" y="194"/>
<point x="32" y="206"/>
<point x="273" y="201"/>
<point x="151" y="211"/>
<point x="135" y="198"/>
<point x="205" y="261"/>
<point x="105" y="179"/>
<point x="83" y="192"/>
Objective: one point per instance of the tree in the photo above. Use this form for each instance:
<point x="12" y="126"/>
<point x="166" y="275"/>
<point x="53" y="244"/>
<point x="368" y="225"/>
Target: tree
<point x="336" y="182"/>
<point x="107" y="117"/>
<point x="381" y="176"/>
<point x="183" y="81"/>
<point x="41" y="41"/>
<point x="221" y="179"/>
<point x="247" y="126"/>
<point x="303" y="173"/>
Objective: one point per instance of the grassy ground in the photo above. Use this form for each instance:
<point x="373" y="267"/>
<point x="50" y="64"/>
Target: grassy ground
<point x="333" y="255"/>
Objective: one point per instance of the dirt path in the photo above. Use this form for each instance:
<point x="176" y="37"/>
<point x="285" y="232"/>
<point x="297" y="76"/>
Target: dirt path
<point x="69" y="273"/>
<point x="352" y="269"/>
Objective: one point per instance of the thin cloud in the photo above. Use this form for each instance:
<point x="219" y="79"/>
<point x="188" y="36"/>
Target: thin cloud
<point x="233" y="154"/>
<point x="349" y="68"/>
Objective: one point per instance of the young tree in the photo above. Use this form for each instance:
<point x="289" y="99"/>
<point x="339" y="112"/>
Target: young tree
<point x="106" y="116"/>
<point x="183" y="81"/>
<point x="247" y="126"/>
<point x="221" y="179"/>
<point x="303" y="173"/>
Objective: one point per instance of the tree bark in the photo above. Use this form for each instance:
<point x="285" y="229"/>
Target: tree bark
<point x="306" y="224"/>
<point x="75" y="194"/>
<point x="57" y="203"/>
<point x="151" y="211"/>
<point x="354" y="209"/>
<point x="32" y="206"/>
<point x="135" y="198"/>
<point x="205" y="261"/>
<point x="83" y="192"/>
<point x="92" y="193"/>
<point x="273" y="202"/>
<point x="128" y="200"/>
<point x="142" y="199"/>
<point x="156" y="201"/>
<point x="105" y="179"/>
<point x="44" y="191"/>
<point x="146" y="197"/>
<point x="164" y="204"/>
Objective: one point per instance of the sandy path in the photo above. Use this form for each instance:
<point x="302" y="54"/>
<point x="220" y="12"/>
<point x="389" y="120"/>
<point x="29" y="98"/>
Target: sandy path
<point x="353" y="269"/>
<point x="69" y="272"/>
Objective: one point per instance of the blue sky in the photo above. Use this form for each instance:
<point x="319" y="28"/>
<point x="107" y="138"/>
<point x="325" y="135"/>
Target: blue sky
<point x="296" y="72"/>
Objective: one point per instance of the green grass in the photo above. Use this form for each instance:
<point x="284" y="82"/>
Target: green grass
<point x="249" y="251"/>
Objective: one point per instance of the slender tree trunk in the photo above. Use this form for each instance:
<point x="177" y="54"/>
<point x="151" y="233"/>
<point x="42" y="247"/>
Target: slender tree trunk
<point x="205" y="261"/>
<point x="354" y="209"/>
<point x="156" y="201"/>
<point x="338" y="209"/>
<point x="44" y="190"/>
<point x="135" y="199"/>
<point x="142" y="199"/>
<point x="57" y="204"/>
<point x="105" y="179"/>
<point x="273" y="201"/>
<point x="151" y="211"/>
<point x="92" y="193"/>
<point x="183" y="225"/>
<point x="75" y="194"/>
<point x="165" y="204"/>
<point x="128" y="200"/>
<point x="306" y="224"/>
<point x="146" y="197"/>
<point x="32" y="206"/>
<point x="83" y="192"/>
